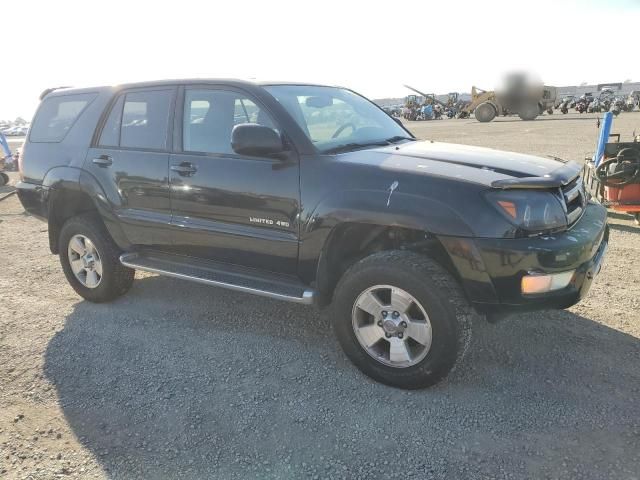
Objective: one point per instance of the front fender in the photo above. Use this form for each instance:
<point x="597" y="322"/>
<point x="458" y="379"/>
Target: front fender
<point x="373" y="207"/>
<point x="389" y="208"/>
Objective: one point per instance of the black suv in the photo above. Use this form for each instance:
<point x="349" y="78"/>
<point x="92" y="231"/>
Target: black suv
<point x="310" y="194"/>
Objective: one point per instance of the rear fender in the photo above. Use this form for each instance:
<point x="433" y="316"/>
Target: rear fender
<point x="94" y="190"/>
<point x="61" y="182"/>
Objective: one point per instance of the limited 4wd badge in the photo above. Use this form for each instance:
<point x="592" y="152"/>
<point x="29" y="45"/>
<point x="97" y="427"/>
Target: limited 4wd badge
<point x="268" y="221"/>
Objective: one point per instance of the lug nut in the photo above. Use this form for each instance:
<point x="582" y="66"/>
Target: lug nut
<point x="384" y="313"/>
<point x="400" y="335"/>
<point x="403" y="324"/>
<point x="379" y="323"/>
<point x="388" y="335"/>
<point x="396" y="314"/>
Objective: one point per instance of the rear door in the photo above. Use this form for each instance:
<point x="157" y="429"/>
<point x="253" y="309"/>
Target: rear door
<point x="131" y="162"/>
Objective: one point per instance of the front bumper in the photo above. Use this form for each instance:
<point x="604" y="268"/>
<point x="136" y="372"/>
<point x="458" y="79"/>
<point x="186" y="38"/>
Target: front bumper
<point x="491" y="270"/>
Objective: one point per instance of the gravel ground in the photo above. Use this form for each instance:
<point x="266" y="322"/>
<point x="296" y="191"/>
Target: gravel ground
<point x="179" y="380"/>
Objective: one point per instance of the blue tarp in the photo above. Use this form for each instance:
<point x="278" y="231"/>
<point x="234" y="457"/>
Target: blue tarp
<point x="603" y="138"/>
<point x="5" y="146"/>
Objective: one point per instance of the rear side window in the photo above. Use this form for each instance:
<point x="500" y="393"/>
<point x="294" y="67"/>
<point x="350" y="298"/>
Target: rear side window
<point x="145" y="117"/>
<point x="57" y="115"/>
<point x="138" y="120"/>
<point x="110" y="136"/>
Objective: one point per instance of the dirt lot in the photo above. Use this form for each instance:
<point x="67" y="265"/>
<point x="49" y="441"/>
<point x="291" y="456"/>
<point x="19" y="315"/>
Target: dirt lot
<point x="177" y="380"/>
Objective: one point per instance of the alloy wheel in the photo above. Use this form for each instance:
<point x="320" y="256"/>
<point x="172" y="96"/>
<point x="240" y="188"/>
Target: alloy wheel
<point x="392" y="326"/>
<point x="85" y="261"/>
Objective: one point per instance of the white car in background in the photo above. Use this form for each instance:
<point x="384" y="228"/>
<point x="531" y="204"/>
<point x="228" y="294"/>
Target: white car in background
<point x="16" y="131"/>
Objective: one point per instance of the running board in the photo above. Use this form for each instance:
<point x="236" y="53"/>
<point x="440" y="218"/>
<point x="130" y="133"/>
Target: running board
<point x="223" y="275"/>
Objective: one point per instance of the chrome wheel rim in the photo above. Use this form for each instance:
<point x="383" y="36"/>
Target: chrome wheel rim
<point x="85" y="261"/>
<point x="391" y="326"/>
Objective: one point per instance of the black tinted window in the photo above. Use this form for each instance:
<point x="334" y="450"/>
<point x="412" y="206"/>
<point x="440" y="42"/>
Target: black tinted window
<point x="145" y="117"/>
<point x="210" y="115"/>
<point x="110" y="136"/>
<point x="57" y="115"/>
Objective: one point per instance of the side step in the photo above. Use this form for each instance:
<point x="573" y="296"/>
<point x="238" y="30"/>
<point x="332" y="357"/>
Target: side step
<point x="222" y="275"/>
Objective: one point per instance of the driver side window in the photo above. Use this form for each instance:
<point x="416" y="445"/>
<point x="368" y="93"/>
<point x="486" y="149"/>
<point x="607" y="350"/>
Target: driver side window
<point x="210" y="115"/>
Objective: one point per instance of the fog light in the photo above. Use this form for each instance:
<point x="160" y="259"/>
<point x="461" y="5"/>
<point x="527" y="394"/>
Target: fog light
<point x="540" y="283"/>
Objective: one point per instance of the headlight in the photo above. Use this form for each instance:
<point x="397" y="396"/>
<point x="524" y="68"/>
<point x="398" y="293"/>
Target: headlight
<point x="531" y="210"/>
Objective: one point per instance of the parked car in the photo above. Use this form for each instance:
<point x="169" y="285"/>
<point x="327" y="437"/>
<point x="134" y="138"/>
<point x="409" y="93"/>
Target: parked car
<point x="16" y="131"/>
<point x="313" y="195"/>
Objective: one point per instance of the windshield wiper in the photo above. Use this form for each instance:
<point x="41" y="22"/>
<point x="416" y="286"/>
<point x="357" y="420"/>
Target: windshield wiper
<point x="354" y="146"/>
<point x="397" y="138"/>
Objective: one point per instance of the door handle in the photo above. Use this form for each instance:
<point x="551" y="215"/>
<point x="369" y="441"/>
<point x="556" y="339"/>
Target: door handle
<point x="185" y="169"/>
<point x="103" y="160"/>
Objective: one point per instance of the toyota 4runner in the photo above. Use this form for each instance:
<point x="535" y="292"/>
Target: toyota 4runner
<point x="310" y="194"/>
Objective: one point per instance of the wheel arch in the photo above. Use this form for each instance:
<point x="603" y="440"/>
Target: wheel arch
<point x="72" y="192"/>
<point x="350" y="242"/>
<point x="352" y="225"/>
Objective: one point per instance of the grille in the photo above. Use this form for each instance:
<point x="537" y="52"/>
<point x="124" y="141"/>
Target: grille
<point x="574" y="200"/>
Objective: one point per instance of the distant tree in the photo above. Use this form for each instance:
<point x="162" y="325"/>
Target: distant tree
<point x="20" y="121"/>
<point x="583" y="84"/>
<point x="628" y="80"/>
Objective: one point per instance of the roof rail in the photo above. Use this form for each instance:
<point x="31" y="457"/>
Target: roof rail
<point x="52" y="89"/>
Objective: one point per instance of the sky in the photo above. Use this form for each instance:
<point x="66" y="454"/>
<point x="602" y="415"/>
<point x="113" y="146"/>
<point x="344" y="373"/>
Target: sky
<point x="373" y="47"/>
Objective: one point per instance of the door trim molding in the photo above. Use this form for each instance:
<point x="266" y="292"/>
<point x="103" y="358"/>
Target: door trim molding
<point x="224" y="228"/>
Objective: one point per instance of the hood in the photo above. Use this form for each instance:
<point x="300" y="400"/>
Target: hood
<point x="493" y="168"/>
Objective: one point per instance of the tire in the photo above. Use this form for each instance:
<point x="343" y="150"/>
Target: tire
<point x="114" y="279"/>
<point x="485" y="112"/>
<point x="4" y="179"/>
<point x="529" y="112"/>
<point x="436" y="292"/>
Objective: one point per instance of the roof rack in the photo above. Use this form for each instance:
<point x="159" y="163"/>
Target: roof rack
<point x="52" y="89"/>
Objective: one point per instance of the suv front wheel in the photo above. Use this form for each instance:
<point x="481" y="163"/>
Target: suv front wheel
<point x="402" y="319"/>
<point x="90" y="260"/>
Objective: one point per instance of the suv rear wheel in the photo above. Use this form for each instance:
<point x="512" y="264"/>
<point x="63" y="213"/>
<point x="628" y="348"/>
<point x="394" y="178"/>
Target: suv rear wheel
<point x="90" y="260"/>
<point x="402" y="319"/>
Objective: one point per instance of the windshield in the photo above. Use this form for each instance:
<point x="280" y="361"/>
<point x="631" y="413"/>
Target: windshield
<point x="337" y="119"/>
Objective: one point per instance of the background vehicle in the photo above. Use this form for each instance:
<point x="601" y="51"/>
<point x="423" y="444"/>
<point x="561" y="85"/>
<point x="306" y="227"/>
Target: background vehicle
<point x="324" y="199"/>
<point x="567" y="102"/>
<point x="582" y="105"/>
<point x="519" y="99"/>
<point x="15" y="131"/>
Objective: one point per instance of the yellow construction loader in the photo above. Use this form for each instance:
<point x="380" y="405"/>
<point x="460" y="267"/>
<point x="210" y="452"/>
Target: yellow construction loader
<point x="487" y="104"/>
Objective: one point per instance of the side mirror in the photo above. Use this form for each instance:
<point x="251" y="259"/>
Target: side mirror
<point x="255" y="140"/>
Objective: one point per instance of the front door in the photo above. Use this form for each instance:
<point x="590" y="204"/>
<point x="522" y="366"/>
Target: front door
<point x="131" y="163"/>
<point x="228" y="207"/>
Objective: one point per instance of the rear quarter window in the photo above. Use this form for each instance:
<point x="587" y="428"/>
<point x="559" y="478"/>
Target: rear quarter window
<point x="57" y="115"/>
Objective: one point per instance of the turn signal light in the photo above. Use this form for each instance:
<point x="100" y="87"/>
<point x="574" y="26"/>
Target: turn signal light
<point x="539" y="283"/>
<point x="509" y="208"/>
